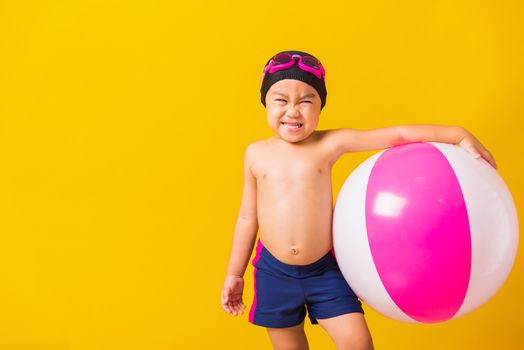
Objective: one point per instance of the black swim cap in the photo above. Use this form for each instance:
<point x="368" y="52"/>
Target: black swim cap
<point x="293" y="73"/>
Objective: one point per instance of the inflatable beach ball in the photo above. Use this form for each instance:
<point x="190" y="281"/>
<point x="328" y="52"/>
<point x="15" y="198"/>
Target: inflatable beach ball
<point x="424" y="232"/>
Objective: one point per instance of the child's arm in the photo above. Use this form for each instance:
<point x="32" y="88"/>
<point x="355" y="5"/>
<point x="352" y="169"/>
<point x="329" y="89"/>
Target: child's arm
<point x="353" y="140"/>
<point x="243" y="241"/>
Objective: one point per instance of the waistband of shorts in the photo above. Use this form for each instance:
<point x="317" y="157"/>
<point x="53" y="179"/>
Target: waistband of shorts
<point x="327" y="260"/>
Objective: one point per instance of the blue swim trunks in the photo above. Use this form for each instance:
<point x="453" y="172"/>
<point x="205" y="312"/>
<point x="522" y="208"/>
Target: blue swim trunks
<point x="284" y="292"/>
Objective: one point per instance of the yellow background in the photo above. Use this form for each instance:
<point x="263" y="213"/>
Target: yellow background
<point x="122" y="132"/>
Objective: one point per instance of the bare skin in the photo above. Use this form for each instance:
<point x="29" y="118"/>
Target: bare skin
<point x="287" y="196"/>
<point x="288" y="338"/>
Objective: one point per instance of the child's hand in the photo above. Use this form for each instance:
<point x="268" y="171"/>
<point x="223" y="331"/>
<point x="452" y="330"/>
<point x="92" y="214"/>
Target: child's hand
<point x="473" y="146"/>
<point x="231" y="299"/>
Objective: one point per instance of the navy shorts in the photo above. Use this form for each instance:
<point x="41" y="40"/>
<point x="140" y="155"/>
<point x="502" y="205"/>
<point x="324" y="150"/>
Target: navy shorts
<point x="284" y="292"/>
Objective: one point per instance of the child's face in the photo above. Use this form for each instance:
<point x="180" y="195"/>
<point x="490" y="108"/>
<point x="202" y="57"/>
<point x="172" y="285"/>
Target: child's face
<point x="293" y="109"/>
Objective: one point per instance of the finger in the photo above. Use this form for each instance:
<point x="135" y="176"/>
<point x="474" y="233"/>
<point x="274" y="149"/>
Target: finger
<point x="473" y="150"/>
<point x="239" y="311"/>
<point x="226" y="308"/>
<point x="233" y="309"/>
<point x="239" y="308"/>
<point x="491" y="161"/>
<point x="489" y="158"/>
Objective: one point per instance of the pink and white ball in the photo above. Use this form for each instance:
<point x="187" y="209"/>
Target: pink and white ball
<point x="424" y="232"/>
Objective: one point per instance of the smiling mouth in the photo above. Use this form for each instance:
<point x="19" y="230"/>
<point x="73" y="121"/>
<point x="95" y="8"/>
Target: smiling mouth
<point x="292" y="125"/>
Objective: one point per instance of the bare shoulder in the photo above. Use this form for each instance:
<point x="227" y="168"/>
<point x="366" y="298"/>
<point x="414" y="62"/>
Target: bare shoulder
<point x="254" y="148"/>
<point x="253" y="152"/>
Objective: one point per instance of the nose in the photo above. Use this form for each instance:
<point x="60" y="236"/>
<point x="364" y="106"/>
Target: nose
<point x="292" y="112"/>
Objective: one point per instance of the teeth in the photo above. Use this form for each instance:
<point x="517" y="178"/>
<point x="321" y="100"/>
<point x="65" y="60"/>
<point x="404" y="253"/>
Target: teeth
<point x="292" y="125"/>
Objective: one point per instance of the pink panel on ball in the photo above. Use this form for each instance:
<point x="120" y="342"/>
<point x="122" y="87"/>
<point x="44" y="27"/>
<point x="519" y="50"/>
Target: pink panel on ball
<point x="418" y="231"/>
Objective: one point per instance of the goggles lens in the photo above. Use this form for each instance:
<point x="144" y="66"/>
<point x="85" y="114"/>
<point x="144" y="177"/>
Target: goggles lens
<point x="282" y="58"/>
<point x="311" y="61"/>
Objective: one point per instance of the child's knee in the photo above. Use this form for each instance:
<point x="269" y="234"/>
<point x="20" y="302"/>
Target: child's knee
<point x="290" y="346"/>
<point x="292" y="338"/>
<point x="356" y="342"/>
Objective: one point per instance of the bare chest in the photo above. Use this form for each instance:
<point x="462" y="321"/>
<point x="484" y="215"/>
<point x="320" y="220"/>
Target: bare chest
<point x="292" y="170"/>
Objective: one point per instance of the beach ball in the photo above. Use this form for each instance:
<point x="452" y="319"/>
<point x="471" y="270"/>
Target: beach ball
<point x="425" y="232"/>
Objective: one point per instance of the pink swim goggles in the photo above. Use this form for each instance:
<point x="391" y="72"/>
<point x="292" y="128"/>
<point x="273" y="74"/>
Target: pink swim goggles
<point x="285" y="61"/>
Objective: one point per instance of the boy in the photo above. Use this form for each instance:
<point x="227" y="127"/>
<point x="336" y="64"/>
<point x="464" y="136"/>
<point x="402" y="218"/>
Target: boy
<point x="287" y="197"/>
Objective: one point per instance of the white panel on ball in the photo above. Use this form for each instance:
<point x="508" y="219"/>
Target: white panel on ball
<point x="493" y="224"/>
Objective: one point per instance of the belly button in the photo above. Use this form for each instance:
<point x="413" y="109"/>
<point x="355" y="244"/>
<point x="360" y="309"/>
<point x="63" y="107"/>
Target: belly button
<point x="294" y="251"/>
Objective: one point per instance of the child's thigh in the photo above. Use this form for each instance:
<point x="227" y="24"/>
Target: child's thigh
<point x="348" y="331"/>
<point x="290" y="338"/>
